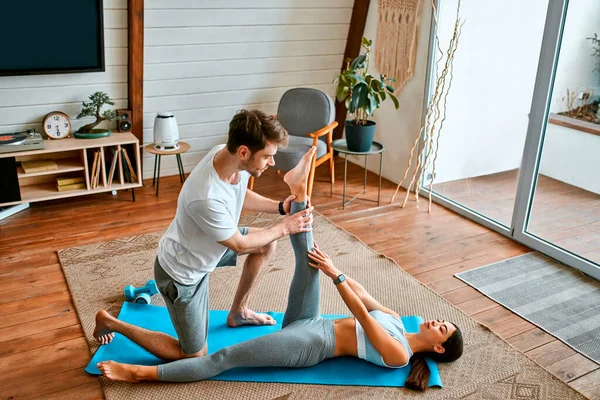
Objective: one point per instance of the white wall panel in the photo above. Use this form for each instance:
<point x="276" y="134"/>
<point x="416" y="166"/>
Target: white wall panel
<point x="195" y="130"/>
<point x="241" y="51"/>
<point x="241" y="34"/>
<point x="117" y="74"/>
<point x="206" y="60"/>
<point x="248" y="4"/>
<point x="57" y="94"/>
<point x="193" y="102"/>
<point x="240" y="67"/>
<point x="241" y="17"/>
<point x="228" y="83"/>
<point x="115" y="37"/>
<point x="115" y="19"/>
<point x="115" y="4"/>
<point x="210" y="114"/>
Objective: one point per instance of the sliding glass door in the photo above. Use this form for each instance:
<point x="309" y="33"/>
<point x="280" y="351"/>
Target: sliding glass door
<point x="529" y="146"/>
<point x="493" y="76"/>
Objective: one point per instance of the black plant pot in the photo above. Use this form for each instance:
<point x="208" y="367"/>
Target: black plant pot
<point x="360" y="137"/>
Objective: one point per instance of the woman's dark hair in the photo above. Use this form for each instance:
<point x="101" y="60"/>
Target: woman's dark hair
<point x="253" y="129"/>
<point x="418" y="378"/>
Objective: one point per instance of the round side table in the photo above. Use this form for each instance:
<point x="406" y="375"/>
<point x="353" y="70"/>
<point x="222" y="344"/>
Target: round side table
<point x="183" y="147"/>
<point x="341" y="146"/>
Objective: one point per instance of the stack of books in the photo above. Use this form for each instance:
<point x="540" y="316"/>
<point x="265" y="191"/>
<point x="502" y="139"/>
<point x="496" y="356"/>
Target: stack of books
<point x="64" y="183"/>
<point x="128" y="169"/>
<point x="113" y="165"/>
<point x="38" y="166"/>
<point x="96" y="166"/>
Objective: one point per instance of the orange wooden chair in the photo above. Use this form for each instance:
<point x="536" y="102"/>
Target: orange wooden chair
<point x="308" y="115"/>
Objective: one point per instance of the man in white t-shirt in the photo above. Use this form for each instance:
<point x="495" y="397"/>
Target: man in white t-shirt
<point x="204" y="235"/>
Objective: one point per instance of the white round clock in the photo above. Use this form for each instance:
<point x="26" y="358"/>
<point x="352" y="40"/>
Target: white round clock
<point x="57" y="125"/>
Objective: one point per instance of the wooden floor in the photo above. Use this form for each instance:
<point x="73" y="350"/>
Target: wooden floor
<point x="42" y="348"/>
<point x="562" y="214"/>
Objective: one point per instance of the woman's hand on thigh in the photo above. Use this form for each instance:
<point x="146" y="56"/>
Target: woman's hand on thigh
<point x="322" y="262"/>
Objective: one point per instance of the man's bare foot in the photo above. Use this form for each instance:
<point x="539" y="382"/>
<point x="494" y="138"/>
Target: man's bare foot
<point x="248" y="317"/>
<point x="298" y="176"/>
<point x="102" y="332"/>
<point x="126" y="372"/>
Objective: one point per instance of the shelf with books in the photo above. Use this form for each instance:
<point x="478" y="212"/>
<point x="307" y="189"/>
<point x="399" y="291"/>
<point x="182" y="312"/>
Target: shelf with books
<point x="66" y="168"/>
<point x="48" y="191"/>
<point x="130" y="164"/>
<point x="112" y="160"/>
<point x="96" y="174"/>
<point x="62" y="166"/>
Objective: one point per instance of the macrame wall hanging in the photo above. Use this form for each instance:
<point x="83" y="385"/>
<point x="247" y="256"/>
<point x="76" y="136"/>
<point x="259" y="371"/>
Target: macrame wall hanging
<point x="397" y="33"/>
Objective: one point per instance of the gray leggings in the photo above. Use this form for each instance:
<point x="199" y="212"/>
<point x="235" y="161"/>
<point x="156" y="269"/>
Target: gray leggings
<point x="305" y="339"/>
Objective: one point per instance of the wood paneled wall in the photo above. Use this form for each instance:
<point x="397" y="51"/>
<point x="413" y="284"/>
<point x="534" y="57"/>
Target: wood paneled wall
<point x="204" y="61"/>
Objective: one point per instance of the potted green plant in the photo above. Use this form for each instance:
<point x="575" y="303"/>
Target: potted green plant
<point x="363" y="94"/>
<point x="93" y="108"/>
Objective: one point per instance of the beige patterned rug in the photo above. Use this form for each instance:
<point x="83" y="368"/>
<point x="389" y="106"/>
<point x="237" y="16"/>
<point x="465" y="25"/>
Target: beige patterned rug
<point x="489" y="369"/>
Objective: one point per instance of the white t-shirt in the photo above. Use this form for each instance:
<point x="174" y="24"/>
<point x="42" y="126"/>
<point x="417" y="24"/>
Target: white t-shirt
<point x="208" y="212"/>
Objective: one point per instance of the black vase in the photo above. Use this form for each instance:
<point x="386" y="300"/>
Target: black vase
<point x="360" y="137"/>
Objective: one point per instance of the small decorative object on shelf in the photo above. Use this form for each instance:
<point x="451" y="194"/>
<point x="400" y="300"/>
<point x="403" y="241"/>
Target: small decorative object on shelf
<point x="123" y="121"/>
<point x="93" y="109"/>
<point x="21" y="141"/>
<point x="57" y="125"/>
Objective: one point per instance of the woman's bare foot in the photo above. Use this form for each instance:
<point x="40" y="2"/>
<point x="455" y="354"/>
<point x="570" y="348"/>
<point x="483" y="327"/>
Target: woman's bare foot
<point x="297" y="178"/>
<point x="102" y="331"/>
<point x="248" y="317"/>
<point x="126" y="372"/>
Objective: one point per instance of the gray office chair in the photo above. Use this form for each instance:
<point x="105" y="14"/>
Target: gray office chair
<point x="308" y="115"/>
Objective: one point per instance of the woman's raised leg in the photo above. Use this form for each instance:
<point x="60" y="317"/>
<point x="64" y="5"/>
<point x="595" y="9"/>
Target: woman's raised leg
<point x="304" y="293"/>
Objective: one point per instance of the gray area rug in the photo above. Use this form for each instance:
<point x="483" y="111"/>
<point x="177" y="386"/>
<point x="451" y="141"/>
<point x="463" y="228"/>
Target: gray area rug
<point x="560" y="300"/>
<point x="489" y="369"/>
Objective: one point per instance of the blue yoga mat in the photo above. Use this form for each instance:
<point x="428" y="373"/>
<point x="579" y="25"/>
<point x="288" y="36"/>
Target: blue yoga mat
<point x="337" y="371"/>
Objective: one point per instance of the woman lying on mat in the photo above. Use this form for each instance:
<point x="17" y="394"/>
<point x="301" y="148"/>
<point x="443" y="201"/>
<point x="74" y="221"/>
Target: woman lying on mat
<point x="374" y="333"/>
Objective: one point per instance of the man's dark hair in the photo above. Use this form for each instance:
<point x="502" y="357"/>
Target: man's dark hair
<point x="253" y="129"/>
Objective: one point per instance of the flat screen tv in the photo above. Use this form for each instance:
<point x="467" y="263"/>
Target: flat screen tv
<point x="51" y="37"/>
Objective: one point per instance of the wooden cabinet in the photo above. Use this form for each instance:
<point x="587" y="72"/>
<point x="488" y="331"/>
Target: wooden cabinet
<point x="74" y="158"/>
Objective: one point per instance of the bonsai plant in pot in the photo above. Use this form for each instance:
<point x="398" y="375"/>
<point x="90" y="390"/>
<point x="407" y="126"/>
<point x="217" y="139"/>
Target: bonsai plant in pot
<point x="363" y="94"/>
<point x="93" y="108"/>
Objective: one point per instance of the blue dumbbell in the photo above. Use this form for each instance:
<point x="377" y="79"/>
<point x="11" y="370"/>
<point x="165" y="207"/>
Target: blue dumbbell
<point x="141" y="294"/>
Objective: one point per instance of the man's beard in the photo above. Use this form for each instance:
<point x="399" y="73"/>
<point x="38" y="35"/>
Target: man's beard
<point x="248" y="167"/>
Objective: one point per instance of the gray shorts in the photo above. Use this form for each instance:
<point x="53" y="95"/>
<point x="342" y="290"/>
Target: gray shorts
<point x="188" y="304"/>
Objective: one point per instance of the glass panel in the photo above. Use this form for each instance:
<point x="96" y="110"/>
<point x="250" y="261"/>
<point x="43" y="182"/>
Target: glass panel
<point x="566" y="203"/>
<point x="495" y="66"/>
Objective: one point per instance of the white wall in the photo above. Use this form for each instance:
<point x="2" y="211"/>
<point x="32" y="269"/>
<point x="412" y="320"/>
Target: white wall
<point x="571" y="156"/>
<point x="576" y="65"/>
<point x="205" y="60"/>
<point x="25" y="100"/>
